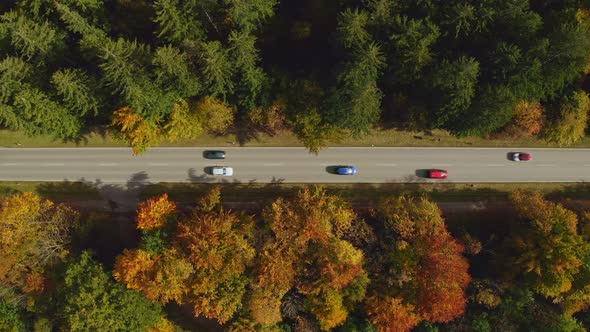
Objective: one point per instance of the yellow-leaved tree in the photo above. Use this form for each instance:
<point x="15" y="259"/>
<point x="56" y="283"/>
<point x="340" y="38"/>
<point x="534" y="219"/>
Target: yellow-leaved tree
<point x="308" y="255"/>
<point x="34" y="235"/>
<point x="546" y="246"/>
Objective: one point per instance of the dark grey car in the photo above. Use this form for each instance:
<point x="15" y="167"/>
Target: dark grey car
<point x="215" y="154"/>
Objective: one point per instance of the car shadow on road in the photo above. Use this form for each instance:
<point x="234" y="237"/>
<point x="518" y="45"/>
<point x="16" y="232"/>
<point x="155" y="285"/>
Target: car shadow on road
<point x="331" y="169"/>
<point x="208" y="170"/>
<point x="421" y="174"/>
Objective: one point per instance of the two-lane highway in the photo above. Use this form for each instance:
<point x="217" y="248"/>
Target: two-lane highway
<point x="278" y="164"/>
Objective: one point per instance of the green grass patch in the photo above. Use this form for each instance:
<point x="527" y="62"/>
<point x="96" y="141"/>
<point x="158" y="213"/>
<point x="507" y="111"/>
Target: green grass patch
<point x="377" y="137"/>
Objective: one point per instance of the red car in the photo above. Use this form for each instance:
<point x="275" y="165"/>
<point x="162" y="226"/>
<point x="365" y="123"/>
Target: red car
<point x="438" y="174"/>
<point x="521" y="156"/>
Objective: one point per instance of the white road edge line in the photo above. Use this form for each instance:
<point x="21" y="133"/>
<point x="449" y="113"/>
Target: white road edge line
<point x="54" y="164"/>
<point x="9" y="164"/>
<point x="108" y="164"/>
<point x="157" y="164"/>
<point x="275" y="164"/>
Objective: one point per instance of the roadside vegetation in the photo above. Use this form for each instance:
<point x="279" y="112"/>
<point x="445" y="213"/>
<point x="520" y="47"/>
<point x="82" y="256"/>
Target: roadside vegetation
<point x="307" y="261"/>
<point x="311" y="72"/>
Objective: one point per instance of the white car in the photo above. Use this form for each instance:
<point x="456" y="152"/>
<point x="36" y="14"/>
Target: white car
<point x="222" y="171"/>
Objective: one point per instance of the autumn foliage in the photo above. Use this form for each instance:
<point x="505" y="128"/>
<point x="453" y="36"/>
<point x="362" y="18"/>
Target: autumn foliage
<point x="161" y="277"/>
<point x="308" y="257"/>
<point x="204" y="264"/>
<point x="423" y="267"/>
<point x="391" y="314"/>
<point x="547" y="247"/>
<point x="141" y="133"/>
<point x="307" y="252"/>
<point x="153" y="213"/>
<point x="34" y="235"/>
<point x="528" y="117"/>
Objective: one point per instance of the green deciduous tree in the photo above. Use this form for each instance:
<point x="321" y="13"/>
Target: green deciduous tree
<point x="90" y="300"/>
<point x="11" y="319"/>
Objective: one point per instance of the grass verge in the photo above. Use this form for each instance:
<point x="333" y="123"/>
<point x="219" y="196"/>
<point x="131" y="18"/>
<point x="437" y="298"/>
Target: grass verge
<point x="377" y="137"/>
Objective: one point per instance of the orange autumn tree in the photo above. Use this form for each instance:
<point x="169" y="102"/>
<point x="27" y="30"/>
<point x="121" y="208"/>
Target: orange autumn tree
<point x="157" y="271"/>
<point x="161" y="277"/>
<point x="34" y="235"/>
<point x="139" y="132"/>
<point x="203" y="262"/>
<point x="219" y="245"/>
<point x="420" y="270"/>
<point x="529" y="117"/>
<point x="307" y="254"/>
<point x="391" y="314"/>
<point x="154" y="213"/>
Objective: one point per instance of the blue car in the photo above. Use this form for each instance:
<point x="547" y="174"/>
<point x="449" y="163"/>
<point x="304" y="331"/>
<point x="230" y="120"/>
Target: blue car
<point x="346" y="170"/>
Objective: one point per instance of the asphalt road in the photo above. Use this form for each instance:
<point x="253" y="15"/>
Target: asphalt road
<point x="276" y="164"/>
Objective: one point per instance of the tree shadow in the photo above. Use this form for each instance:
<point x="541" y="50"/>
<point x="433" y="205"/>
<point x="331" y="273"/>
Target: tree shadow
<point x="275" y="180"/>
<point x="137" y="180"/>
<point x="78" y="190"/>
<point x="244" y="131"/>
<point x="578" y="190"/>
